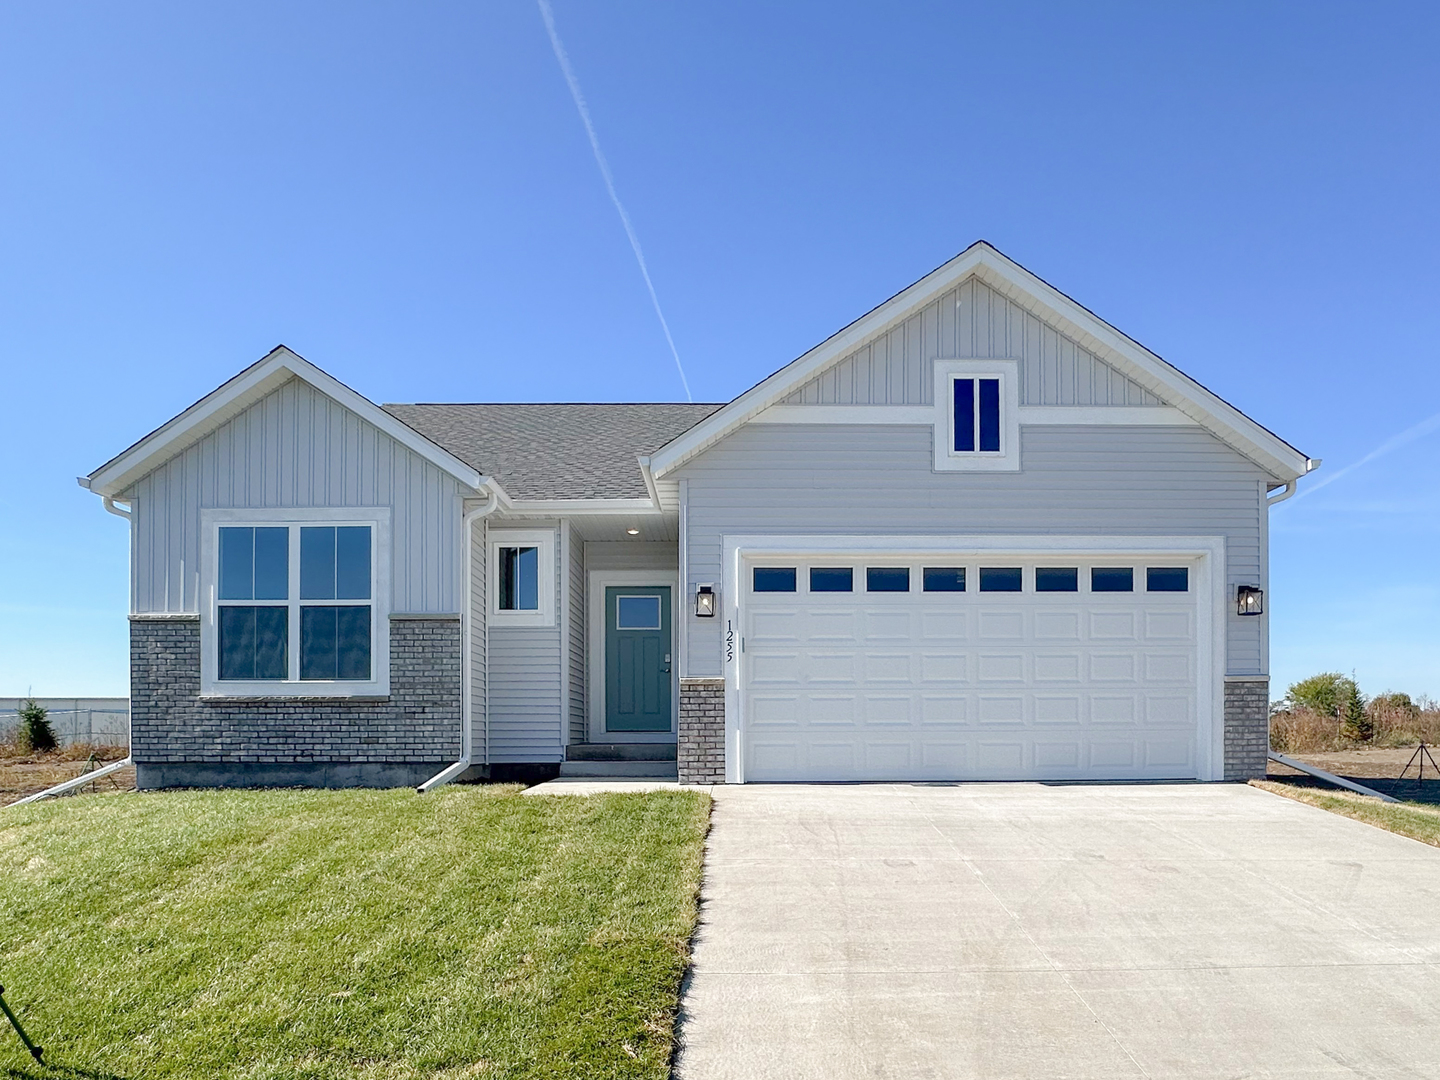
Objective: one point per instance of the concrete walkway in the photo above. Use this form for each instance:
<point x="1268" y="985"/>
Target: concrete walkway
<point x="1003" y="931"/>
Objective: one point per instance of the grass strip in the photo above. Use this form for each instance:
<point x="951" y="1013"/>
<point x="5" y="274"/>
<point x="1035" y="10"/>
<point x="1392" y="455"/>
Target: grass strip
<point x="1415" y="820"/>
<point x="374" y="934"/>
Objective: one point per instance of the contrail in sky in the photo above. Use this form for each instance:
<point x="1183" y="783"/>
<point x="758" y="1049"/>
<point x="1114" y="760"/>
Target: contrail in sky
<point x="1409" y="435"/>
<point x="573" y="83"/>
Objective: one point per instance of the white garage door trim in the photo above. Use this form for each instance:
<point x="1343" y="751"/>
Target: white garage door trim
<point x="1210" y="580"/>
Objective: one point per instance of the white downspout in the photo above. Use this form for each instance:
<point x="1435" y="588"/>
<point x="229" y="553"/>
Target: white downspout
<point x="467" y="646"/>
<point x="1311" y="464"/>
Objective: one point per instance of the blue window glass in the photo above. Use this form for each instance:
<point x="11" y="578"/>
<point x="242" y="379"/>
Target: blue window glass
<point x="317" y="562"/>
<point x="335" y="643"/>
<point x="254" y="563"/>
<point x="519" y="579"/>
<point x="1112" y="579"/>
<point x="253" y="642"/>
<point x="964" y="414"/>
<point x="1167" y="579"/>
<point x="832" y="579"/>
<point x="637" y="613"/>
<point x="887" y="579"/>
<point x="1057" y="579"/>
<point x="352" y="562"/>
<point x="989" y="415"/>
<point x="1000" y="579"/>
<point x="944" y="578"/>
<point x="774" y="579"/>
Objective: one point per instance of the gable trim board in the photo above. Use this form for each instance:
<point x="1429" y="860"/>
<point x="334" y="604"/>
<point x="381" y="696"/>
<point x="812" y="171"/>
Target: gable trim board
<point x="924" y="415"/>
<point x="1176" y="389"/>
<point x="234" y="396"/>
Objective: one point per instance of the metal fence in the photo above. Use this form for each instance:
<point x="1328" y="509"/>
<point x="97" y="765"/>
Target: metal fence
<point x="99" y="721"/>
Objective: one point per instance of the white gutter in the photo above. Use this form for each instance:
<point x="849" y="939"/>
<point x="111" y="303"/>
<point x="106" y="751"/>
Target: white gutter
<point x="467" y="704"/>
<point x="71" y="785"/>
<point x="1311" y="464"/>
<point x="109" y="505"/>
<point x="649" y="481"/>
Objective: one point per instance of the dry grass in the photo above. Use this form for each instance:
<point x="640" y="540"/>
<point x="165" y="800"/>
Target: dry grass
<point x="1301" y="730"/>
<point x="24" y="773"/>
<point x="1407" y="819"/>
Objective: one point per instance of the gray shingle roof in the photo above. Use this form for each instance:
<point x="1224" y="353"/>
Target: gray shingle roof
<point x="555" y="451"/>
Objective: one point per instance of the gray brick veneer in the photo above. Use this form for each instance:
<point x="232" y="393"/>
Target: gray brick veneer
<point x="1247" y="728"/>
<point x="378" y="740"/>
<point x="700" y="749"/>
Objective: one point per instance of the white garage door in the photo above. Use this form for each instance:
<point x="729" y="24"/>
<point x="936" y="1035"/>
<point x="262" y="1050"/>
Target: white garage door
<point x="1004" y="668"/>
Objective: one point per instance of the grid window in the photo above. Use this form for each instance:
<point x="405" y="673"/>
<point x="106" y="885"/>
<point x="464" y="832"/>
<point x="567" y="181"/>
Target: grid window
<point x="977" y="415"/>
<point x="519" y="578"/>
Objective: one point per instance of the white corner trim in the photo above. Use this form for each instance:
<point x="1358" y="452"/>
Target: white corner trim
<point x="1211" y="616"/>
<point x="239" y="393"/>
<point x="547" y="570"/>
<point x="596" y="583"/>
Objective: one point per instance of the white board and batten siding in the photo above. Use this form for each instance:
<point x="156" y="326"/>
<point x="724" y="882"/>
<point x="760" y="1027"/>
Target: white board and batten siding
<point x="971" y="321"/>
<point x="876" y="480"/>
<point x="296" y="447"/>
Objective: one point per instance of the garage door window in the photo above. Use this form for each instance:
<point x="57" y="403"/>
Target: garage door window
<point x="832" y="579"/>
<point x="944" y="579"/>
<point x="1112" y="579"/>
<point x="1000" y="579"/>
<point x="1167" y="579"/>
<point x="887" y="579"/>
<point x="1057" y="579"/>
<point x="774" y="579"/>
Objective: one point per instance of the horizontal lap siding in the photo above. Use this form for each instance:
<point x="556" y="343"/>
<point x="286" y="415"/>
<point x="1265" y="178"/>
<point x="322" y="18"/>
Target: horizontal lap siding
<point x="296" y="448"/>
<point x="971" y="320"/>
<point x="836" y="479"/>
<point x="478" y="613"/>
<point x="528" y="668"/>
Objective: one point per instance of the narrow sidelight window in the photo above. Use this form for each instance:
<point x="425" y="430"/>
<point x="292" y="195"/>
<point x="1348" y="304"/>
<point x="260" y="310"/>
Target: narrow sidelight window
<point x="887" y="579"/>
<point x="1167" y="579"/>
<point x="977" y="415"/>
<point x="1057" y="579"/>
<point x="943" y="578"/>
<point x="1000" y="579"/>
<point x="774" y="579"/>
<point x="519" y="579"/>
<point x="1112" y="579"/>
<point x="832" y="579"/>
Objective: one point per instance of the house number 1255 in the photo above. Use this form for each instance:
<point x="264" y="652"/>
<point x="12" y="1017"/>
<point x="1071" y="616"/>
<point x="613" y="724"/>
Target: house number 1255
<point x="729" y="641"/>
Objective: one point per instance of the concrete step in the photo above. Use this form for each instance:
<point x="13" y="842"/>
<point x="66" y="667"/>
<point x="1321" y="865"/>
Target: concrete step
<point x="620" y="752"/>
<point x="651" y="770"/>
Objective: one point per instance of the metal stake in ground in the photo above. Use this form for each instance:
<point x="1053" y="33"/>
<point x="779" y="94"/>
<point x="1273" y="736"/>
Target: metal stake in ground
<point x="35" y="1051"/>
<point x="1418" y="758"/>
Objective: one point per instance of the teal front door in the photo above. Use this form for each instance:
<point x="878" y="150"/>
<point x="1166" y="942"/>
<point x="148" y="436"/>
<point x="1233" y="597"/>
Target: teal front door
<point x="637" y="658"/>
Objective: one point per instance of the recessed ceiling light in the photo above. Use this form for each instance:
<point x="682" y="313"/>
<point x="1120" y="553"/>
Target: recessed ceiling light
<point x="633" y="532"/>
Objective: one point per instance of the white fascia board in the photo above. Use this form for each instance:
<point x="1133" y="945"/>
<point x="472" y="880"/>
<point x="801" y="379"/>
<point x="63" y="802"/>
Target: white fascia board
<point x="234" y="396"/>
<point x="1012" y="280"/>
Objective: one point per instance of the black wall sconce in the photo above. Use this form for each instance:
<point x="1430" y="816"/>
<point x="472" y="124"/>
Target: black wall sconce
<point x="1249" y="600"/>
<point x="705" y="601"/>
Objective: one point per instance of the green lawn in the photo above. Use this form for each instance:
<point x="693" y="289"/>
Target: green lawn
<point x="1415" y="820"/>
<point x="466" y="933"/>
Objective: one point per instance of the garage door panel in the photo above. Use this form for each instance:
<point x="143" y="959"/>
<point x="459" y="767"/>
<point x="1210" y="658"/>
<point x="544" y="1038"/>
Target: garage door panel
<point x="1002" y="625"/>
<point x="965" y="685"/>
<point x="992" y="667"/>
<point x="936" y="709"/>
<point x="949" y="667"/>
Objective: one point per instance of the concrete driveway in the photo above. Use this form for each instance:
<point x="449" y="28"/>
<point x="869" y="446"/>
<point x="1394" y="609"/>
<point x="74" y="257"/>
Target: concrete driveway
<point x="1016" y="930"/>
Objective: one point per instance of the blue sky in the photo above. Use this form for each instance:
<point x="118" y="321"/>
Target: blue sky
<point x="405" y="195"/>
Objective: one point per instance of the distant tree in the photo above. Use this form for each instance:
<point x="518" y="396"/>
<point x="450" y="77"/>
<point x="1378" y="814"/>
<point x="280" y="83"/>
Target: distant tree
<point x="1357" y="722"/>
<point x="1395" y="703"/>
<point x="1327" y="693"/>
<point x="35" y="732"/>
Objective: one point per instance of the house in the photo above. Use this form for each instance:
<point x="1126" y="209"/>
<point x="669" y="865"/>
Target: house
<point x="977" y="534"/>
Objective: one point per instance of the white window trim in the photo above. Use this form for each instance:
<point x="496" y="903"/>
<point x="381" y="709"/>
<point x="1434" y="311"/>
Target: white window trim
<point x="542" y="539"/>
<point x="211" y="521"/>
<point x="947" y="459"/>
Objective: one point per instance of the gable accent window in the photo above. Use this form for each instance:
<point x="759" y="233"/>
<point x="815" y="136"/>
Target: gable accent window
<point x="522" y="577"/>
<point x="977" y="415"/>
<point x="295" y="602"/>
